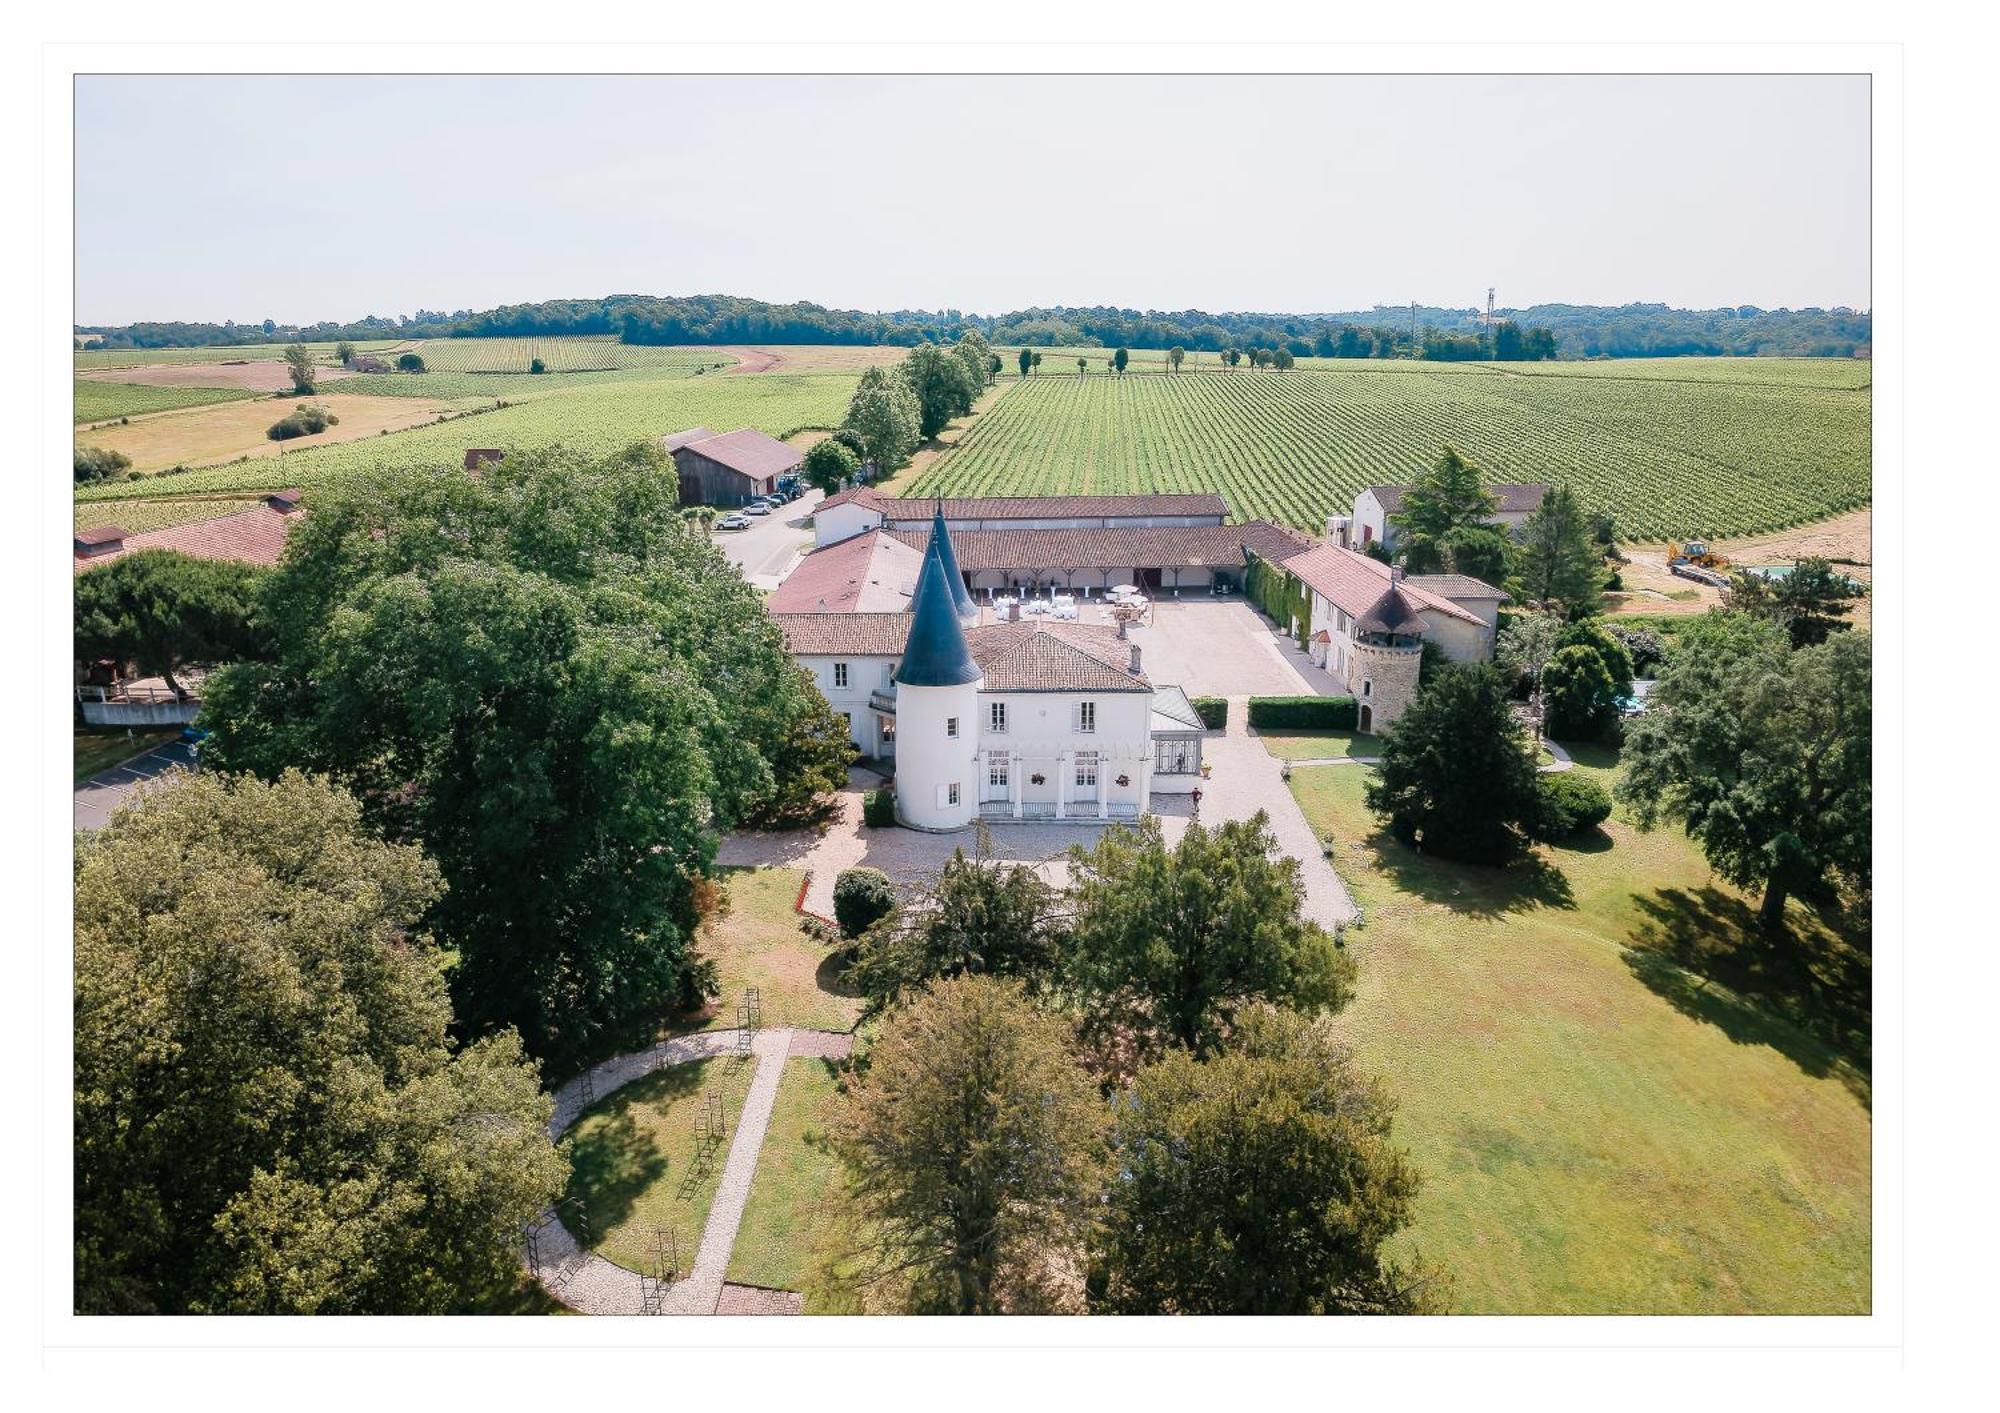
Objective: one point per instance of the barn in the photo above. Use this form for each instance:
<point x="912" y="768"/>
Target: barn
<point x="730" y="469"/>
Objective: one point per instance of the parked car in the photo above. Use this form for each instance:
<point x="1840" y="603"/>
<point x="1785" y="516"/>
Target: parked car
<point x="756" y="507"/>
<point x="733" y="521"/>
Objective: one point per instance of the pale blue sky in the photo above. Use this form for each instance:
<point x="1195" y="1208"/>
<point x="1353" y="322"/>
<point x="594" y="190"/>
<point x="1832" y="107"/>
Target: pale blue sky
<point x="329" y="198"/>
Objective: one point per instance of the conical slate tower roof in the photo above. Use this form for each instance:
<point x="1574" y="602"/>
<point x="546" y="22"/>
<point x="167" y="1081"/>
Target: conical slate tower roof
<point x="935" y="655"/>
<point x="961" y="597"/>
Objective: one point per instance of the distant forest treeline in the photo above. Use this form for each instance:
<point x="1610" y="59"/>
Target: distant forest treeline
<point x="1386" y="331"/>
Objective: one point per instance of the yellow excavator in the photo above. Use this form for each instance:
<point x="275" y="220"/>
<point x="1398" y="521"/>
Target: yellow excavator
<point x="1695" y="560"/>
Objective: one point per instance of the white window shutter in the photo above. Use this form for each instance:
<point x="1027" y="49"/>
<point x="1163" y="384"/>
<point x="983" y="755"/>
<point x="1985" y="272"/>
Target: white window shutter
<point x="943" y="799"/>
<point x="1075" y="716"/>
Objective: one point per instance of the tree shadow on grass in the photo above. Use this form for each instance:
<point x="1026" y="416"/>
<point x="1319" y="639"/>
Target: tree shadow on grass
<point x="615" y="1152"/>
<point x="1804" y="992"/>
<point x="831" y="976"/>
<point x="1472" y="890"/>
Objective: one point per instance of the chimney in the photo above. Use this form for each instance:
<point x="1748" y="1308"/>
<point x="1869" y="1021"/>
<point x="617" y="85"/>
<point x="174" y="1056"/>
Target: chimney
<point x="1134" y="668"/>
<point x="1014" y="611"/>
<point x="1395" y="573"/>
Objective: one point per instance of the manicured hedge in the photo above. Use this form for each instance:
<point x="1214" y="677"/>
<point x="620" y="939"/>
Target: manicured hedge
<point x="1303" y="713"/>
<point x="1213" y="711"/>
<point x="861" y="898"/>
<point x="1568" y="804"/>
<point x="878" y="808"/>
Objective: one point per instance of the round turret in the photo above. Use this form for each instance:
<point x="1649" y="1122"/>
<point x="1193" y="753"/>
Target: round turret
<point x="937" y="706"/>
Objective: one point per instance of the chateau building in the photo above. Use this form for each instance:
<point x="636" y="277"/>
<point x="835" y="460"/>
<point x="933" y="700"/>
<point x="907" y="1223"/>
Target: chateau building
<point x="1003" y="721"/>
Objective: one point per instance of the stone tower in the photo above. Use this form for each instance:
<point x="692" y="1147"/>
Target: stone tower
<point x="937" y="709"/>
<point x="1388" y="653"/>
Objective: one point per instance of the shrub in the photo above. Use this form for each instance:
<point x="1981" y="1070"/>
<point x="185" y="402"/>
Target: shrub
<point x="410" y="363"/>
<point x="878" y="808"/>
<point x="1568" y="804"/>
<point x="862" y="897"/>
<point x="1303" y="713"/>
<point x="96" y="463"/>
<point x="535" y="365"/>
<point x="1213" y="711"/>
<point x="306" y="419"/>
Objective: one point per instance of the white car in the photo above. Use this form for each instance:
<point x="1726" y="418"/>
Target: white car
<point x="756" y="507"/>
<point x="733" y="522"/>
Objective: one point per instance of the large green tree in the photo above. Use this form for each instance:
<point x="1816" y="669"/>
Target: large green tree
<point x="1172" y="940"/>
<point x="943" y="383"/>
<point x="886" y="415"/>
<point x="973" y="1144"/>
<point x="1444" y="501"/>
<point x="1581" y="695"/>
<point x="269" y="1115"/>
<point x="976" y="354"/>
<point x="1261" y="1182"/>
<point x="1763" y="754"/>
<point x="981" y="916"/>
<point x="1558" y="559"/>
<point x="161" y="610"/>
<point x="1458" y="774"/>
<point x="1811" y="602"/>
<point x="558" y="686"/>
<point x="303" y="370"/>
<point x="828" y="464"/>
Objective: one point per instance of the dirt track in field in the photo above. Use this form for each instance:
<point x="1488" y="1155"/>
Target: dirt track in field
<point x="801" y="358"/>
<point x="1846" y="539"/>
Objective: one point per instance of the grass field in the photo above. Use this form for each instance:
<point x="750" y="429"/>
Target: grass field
<point x="758" y="943"/>
<point x="1621" y="1099"/>
<point x="1682" y="455"/>
<point x="1319" y="745"/>
<point x="596" y="418"/>
<point x="198" y="436"/>
<point x="632" y="1161"/>
<point x="795" y="1175"/>
<point x="95" y="401"/>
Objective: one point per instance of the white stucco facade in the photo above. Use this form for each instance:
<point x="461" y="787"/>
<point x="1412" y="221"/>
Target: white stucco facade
<point x="937" y="755"/>
<point x="852" y="684"/>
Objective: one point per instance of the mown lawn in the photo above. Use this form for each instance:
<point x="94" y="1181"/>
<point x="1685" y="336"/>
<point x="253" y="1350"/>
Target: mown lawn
<point x="757" y="942"/>
<point x="632" y="1161"/>
<point x="1319" y="745"/>
<point x="796" y="1175"/>
<point x="1623" y="1099"/>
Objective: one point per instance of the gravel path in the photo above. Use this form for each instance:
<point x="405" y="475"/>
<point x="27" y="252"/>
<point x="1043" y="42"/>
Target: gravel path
<point x="1248" y="778"/>
<point x="698" y="1293"/>
<point x="586" y="1281"/>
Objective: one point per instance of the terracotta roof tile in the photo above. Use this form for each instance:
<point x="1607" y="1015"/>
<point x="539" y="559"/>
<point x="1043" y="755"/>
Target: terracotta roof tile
<point x="1357" y="584"/>
<point x="862" y="634"/>
<point x="746" y="451"/>
<point x="1114" y="547"/>
<point x="872" y="572"/>
<point x="255" y="536"/>
<point x="1053" y="657"/>
<point x="1458" y="586"/>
